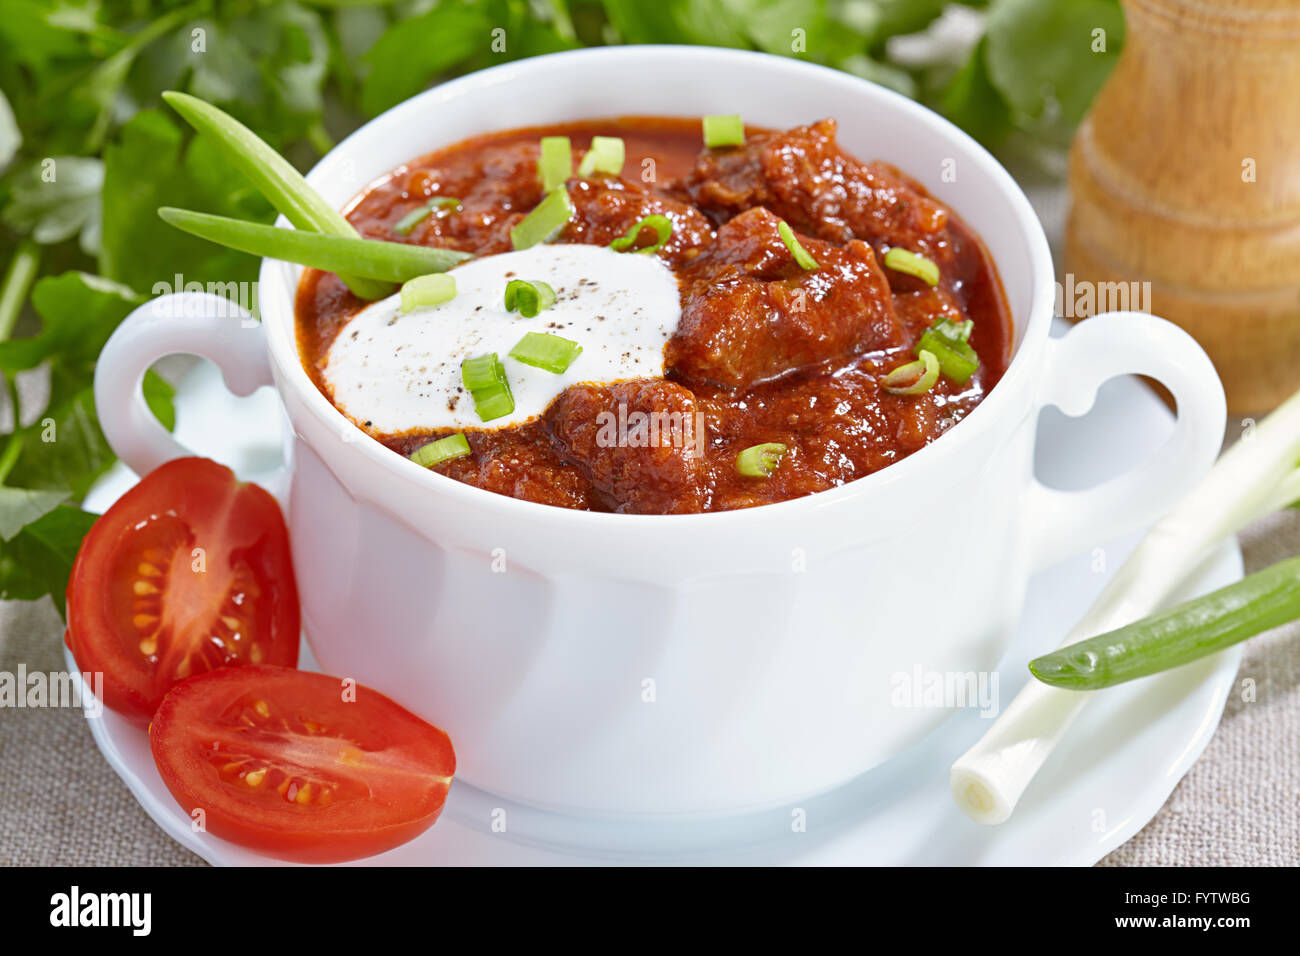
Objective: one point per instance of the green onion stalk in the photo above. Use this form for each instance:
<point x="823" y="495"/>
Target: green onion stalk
<point x="274" y="177"/>
<point x="1257" y="476"/>
<point x="371" y="259"/>
<point x="1180" y="635"/>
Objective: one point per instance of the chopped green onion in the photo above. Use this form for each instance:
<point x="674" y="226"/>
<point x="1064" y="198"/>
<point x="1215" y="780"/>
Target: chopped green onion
<point x="604" y="156"/>
<point x="957" y="360"/>
<point x="482" y="372"/>
<point x="484" y="377"/>
<point x="662" y="225"/>
<point x="371" y="258"/>
<point x="412" y="219"/>
<point x="528" y="298"/>
<point x="444" y="449"/>
<point x="427" y="290"/>
<point x="959" y="330"/>
<point x="496" y="403"/>
<point x="800" y="254"/>
<point x="275" y="178"/>
<point x="555" y="164"/>
<point x="546" y="351"/>
<point x="416" y="216"/>
<point x="914" y="378"/>
<point x="759" y="461"/>
<point x="726" y="130"/>
<point x="901" y="260"/>
<point x="545" y="221"/>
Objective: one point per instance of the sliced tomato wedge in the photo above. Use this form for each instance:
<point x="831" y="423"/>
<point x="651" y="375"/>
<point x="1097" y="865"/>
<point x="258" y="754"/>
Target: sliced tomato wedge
<point x="300" y="766"/>
<point x="188" y="571"/>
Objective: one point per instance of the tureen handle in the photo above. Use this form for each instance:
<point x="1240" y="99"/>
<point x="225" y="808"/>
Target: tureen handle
<point x="193" y="323"/>
<point x="1063" y="523"/>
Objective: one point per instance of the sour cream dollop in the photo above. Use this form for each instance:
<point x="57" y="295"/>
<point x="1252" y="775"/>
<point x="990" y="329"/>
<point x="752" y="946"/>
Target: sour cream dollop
<point x="391" y="372"/>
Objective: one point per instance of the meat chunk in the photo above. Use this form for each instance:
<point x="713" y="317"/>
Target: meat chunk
<point x="605" y="209"/>
<point x="639" y="443"/>
<point x="919" y="310"/>
<point x="519" y="462"/>
<point x="805" y="178"/>
<point x="751" y="313"/>
<point x="496" y="187"/>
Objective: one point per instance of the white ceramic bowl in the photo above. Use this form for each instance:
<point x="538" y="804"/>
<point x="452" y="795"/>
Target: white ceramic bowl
<point x="685" y="664"/>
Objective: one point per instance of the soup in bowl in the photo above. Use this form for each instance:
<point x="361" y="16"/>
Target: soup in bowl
<point x="712" y="355"/>
<point x="586" y="658"/>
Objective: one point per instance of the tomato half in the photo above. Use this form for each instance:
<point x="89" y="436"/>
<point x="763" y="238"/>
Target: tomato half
<point x="188" y="571"/>
<point x="300" y="766"/>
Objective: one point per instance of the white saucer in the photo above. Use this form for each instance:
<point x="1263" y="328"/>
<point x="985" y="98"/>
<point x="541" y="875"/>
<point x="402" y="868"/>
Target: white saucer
<point x="1109" y="777"/>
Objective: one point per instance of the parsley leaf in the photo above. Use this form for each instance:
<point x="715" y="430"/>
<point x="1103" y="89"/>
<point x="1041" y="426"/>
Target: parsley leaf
<point x="38" y="559"/>
<point x="80" y="311"/>
<point x="58" y="198"/>
<point x="19" y="507"/>
<point x="63" y="448"/>
<point x="1045" y="57"/>
<point x="412" y="53"/>
<point x="150" y="167"/>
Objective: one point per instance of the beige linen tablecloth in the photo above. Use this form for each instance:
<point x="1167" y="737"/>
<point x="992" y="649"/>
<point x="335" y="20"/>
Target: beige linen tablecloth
<point x="60" y="802"/>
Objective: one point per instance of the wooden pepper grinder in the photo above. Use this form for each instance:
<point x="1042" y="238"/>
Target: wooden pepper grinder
<point x="1186" y="174"/>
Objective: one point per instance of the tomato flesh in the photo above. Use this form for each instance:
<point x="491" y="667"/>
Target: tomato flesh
<point x="300" y="766"/>
<point x="188" y="571"/>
